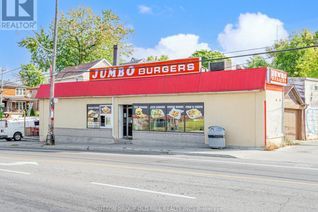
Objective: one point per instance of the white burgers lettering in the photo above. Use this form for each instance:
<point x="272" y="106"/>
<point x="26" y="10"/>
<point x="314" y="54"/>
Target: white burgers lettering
<point x="165" y="69"/>
<point x="95" y="75"/>
<point x="190" y="67"/>
<point x="121" y="72"/>
<point x="103" y="73"/>
<point x="151" y="69"/>
<point x="130" y="71"/>
<point x="181" y="67"/>
<point x="141" y="71"/>
<point x="111" y="73"/>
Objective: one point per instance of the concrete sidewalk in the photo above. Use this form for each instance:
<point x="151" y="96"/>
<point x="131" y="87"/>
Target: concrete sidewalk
<point x="305" y="153"/>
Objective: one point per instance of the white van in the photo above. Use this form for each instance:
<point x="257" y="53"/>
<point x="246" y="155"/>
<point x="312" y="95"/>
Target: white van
<point x="14" y="128"/>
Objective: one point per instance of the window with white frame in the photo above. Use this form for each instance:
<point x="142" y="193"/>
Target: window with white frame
<point x="20" y="92"/>
<point x="20" y="106"/>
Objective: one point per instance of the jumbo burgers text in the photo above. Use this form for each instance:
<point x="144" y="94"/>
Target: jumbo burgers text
<point x="171" y="67"/>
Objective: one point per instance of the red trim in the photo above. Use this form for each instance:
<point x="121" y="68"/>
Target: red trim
<point x="270" y="87"/>
<point x="265" y="124"/>
<point x="220" y="81"/>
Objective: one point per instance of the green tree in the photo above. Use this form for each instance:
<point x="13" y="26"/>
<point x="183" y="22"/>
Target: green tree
<point x="82" y="37"/>
<point x="257" y="61"/>
<point x="308" y="64"/>
<point x="30" y="75"/>
<point x="155" y="58"/>
<point x="207" y="56"/>
<point x="300" y="62"/>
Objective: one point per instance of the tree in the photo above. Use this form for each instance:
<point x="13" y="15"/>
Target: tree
<point x="308" y="64"/>
<point x="297" y="63"/>
<point x="155" y="58"/>
<point x="30" y="75"/>
<point x="82" y="37"/>
<point x="207" y="56"/>
<point x="257" y="61"/>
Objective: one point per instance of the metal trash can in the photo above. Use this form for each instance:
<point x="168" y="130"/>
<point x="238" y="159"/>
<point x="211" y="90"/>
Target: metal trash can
<point x="216" y="137"/>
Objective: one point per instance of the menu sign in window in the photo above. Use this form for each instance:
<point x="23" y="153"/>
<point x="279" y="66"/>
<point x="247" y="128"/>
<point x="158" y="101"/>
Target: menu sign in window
<point x="105" y="116"/>
<point x="99" y="116"/>
<point x="175" y="117"/>
<point x="194" y="118"/>
<point x="93" y="116"/>
<point x="140" y="117"/>
<point x="157" y="117"/>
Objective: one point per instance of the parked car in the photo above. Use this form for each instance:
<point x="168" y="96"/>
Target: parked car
<point x="15" y="128"/>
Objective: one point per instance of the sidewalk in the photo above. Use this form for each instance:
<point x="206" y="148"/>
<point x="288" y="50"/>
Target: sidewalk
<point x="306" y="153"/>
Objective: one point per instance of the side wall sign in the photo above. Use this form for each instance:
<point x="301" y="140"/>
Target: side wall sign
<point x="277" y="77"/>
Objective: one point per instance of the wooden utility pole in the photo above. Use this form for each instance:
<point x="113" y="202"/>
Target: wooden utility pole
<point x="50" y="139"/>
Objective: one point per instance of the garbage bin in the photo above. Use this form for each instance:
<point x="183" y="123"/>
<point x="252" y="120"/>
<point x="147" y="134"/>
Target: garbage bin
<point x="216" y="137"/>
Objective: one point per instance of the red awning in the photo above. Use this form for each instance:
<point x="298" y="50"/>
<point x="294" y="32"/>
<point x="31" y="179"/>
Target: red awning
<point x="238" y="80"/>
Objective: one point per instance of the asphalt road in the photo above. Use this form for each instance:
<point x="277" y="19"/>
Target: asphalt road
<point x="83" y="181"/>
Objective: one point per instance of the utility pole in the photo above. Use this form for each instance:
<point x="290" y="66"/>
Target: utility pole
<point x="50" y="139"/>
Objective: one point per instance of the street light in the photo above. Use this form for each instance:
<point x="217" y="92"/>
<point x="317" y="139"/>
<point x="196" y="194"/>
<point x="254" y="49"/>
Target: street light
<point x="50" y="139"/>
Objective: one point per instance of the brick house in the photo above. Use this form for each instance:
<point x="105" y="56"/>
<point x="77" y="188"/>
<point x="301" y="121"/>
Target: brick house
<point x="17" y="97"/>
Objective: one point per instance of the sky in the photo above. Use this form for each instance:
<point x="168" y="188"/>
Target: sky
<point x="179" y="27"/>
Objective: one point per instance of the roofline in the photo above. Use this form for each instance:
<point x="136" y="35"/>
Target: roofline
<point x="166" y="94"/>
<point x="105" y="61"/>
<point x="294" y="90"/>
<point x="305" y="78"/>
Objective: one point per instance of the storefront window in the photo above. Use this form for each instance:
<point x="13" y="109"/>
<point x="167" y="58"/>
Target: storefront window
<point x="157" y="117"/>
<point x="175" y="118"/>
<point x="172" y="117"/>
<point x="105" y="116"/>
<point x="93" y="116"/>
<point x="99" y="116"/>
<point x="194" y="118"/>
<point x="141" y="117"/>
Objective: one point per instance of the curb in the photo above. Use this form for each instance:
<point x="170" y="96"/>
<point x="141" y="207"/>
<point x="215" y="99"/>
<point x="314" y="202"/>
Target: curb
<point x="123" y="151"/>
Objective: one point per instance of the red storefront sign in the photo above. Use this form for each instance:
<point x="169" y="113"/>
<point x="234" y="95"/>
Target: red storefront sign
<point x="170" y="67"/>
<point x="277" y="77"/>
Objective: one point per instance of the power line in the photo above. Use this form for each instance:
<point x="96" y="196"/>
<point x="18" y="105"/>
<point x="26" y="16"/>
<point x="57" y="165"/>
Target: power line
<point x="267" y="52"/>
<point x="245" y="50"/>
<point x="216" y="59"/>
<point x="11" y="70"/>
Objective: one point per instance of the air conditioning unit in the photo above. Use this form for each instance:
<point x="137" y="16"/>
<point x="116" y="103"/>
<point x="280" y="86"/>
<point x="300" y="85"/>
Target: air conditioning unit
<point x="220" y="65"/>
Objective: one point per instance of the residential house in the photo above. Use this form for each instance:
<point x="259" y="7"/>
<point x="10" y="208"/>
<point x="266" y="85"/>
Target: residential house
<point x="308" y="90"/>
<point x="80" y="72"/>
<point x="17" y="97"/>
<point x="294" y="114"/>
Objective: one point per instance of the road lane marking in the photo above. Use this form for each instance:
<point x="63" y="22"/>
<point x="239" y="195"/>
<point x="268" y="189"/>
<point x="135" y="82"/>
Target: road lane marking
<point x="15" y="172"/>
<point x="238" y="176"/>
<point x="206" y="173"/>
<point x="254" y="164"/>
<point x="19" y="164"/>
<point x="143" y="190"/>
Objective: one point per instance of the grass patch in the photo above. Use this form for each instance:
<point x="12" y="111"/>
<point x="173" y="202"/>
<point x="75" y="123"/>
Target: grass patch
<point x="271" y="147"/>
<point x="288" y="142"/>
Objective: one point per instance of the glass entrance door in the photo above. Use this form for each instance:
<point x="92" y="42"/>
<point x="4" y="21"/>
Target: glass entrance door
<point x="127" y="121"/>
